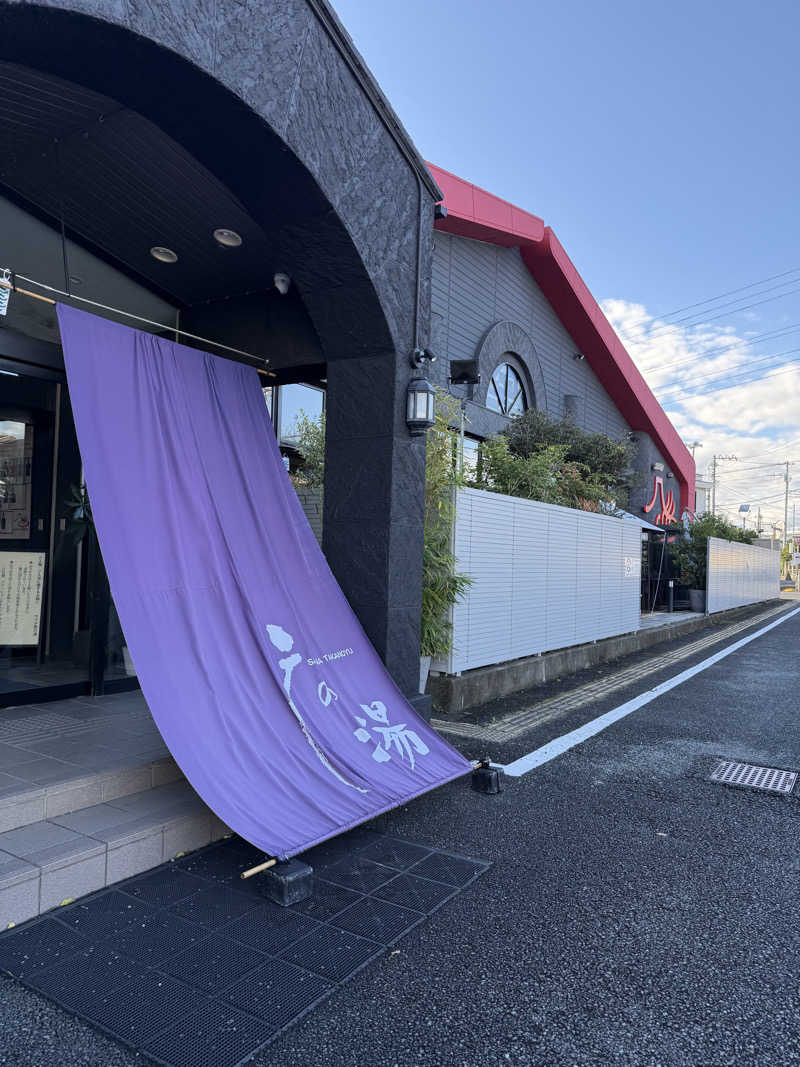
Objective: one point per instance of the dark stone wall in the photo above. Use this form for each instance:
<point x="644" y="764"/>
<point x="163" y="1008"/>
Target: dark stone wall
<point x="272" y="98"/>
<point x="642" y="490"/>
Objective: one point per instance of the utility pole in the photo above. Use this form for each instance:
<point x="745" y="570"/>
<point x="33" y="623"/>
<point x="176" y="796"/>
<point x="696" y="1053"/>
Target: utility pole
<point x="714" y="462"/>
<point x="758" y="526"/>
<point x="786" y="505"/>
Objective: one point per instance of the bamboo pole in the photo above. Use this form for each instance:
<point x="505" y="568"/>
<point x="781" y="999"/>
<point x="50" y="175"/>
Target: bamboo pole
<point x="257" y="870"/>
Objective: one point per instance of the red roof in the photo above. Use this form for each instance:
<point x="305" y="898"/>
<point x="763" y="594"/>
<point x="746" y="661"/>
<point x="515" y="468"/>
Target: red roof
<point x="472" y="212"/>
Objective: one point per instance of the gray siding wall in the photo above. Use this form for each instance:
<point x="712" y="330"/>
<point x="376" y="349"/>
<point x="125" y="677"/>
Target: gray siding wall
<point x="476" y="285"/>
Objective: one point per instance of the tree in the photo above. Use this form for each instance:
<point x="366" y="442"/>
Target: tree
<point x="602" y="462"/>
<point x="690" y="552"/>
<point x="311" y="446"/>
<point x="441" y="585"/>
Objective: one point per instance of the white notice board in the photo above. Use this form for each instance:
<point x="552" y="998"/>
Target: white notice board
<point x="21" y="591"/>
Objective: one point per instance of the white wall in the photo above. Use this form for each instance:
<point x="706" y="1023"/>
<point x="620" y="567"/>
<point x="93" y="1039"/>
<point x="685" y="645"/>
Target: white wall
<point x="544" y="577"/>
<point x="740" y="574"/>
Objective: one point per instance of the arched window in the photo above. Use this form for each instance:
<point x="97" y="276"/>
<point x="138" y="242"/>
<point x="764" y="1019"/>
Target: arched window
<point x="506" y="393"/>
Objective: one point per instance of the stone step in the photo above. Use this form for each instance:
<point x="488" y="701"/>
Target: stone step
<point x="72" y="754"/>
<point x="50" y="861"/>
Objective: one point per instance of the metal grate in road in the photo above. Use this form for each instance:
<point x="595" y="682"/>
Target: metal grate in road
<point x="749" y="776"/>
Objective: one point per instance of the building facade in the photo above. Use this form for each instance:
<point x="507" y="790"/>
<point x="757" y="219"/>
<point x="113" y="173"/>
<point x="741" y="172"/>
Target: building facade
<point x="241" y="184"/>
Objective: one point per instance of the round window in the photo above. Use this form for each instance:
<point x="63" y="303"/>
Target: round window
<point x="506" y="392"/>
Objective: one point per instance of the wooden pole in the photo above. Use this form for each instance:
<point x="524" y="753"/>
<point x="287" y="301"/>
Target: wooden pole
<point x="257" y="870"/>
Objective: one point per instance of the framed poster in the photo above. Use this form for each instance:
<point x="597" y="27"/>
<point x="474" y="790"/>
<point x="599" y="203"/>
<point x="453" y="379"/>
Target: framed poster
<point x="16" y="461"/>
<point x="21" y="593"/>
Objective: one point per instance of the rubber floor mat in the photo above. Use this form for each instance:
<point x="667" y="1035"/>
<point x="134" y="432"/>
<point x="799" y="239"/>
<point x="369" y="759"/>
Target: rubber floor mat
<point x="190" y="966"/>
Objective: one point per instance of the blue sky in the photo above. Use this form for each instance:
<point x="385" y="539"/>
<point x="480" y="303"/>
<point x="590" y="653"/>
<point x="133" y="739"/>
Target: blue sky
<point x="660" y="143"/>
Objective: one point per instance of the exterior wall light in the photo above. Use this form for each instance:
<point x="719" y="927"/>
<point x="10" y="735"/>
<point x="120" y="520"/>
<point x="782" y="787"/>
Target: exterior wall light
<point x="282" y="282"/>
<point x="420" y="406"/>
<point x="579" y="356"/>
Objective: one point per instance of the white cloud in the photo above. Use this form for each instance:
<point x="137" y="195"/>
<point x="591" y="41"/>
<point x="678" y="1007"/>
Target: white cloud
<point x="695" y="373"/>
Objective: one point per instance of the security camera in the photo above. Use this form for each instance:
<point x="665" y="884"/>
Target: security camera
<point x="282" y="283"/>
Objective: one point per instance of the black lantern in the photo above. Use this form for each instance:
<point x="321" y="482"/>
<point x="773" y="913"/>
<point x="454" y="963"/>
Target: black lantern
<point x="421" y="406"/>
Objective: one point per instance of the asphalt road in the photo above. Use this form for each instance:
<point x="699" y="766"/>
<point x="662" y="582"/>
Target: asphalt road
<point x="636" y="913"/>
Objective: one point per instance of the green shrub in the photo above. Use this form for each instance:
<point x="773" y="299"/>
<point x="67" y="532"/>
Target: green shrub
<point x="690" y="553"/>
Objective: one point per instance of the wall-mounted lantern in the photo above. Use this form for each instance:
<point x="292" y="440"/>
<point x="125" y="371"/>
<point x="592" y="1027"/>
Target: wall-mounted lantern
<point x="420" y="407"/>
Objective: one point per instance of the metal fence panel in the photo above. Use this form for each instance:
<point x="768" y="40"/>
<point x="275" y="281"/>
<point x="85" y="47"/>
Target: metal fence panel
<point x="544" y="577"/>
<point x="740" y="574"/>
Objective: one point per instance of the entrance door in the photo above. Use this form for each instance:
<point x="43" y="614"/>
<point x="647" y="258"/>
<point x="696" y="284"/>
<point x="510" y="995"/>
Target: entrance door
<point x="59" y="633"/>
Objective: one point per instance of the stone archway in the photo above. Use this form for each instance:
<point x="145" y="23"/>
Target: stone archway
<point x="276" y="105"/>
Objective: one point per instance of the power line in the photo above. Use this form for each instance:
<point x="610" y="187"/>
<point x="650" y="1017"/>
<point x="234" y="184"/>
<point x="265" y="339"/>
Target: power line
<point x="744" y="342"/>
<point x="720" y="296"/>
<point x="716" y="375"/>
<point x="712" y="318"/>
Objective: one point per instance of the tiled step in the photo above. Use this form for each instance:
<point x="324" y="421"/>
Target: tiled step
<point x="75" y="753"/>
<point x="63" y="857"/>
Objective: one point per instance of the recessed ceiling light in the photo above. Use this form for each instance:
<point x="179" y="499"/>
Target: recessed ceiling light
<point x="227" y="238"/>
<point x="163" y="255"/>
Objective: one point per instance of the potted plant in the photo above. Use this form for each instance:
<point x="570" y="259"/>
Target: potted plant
<point x="690" y="554"/>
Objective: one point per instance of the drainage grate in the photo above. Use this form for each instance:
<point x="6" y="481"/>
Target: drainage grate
<point x="770" y="779"/>
<point x="452" y="870"/>
<point x="80" y="982"/>
<point x="328" y="900"/>
<point x="157" y="939"/>
<point x="353" y="872"/>
<point x="419" y="894"/>
<point x="214" y="906"/>
<point x="391" y="853"/>
<point x="108" y="913"/>
<point x="277" y="992"/>
<point x="164" y="886"/>
<point x="270" y="928"/>
<point x="191" y="971"/>
<point x="148" y="1005"/>
<point x="377" y="920"/>
<point x="332" y="954"/>
<point x="214" y="963"/>
<point x="44" y="944"/>
<point x="217" y="1034"/>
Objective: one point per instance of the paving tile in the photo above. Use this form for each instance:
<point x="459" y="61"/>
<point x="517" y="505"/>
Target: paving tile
<point x="72" y="881"/>
<point x="46" y="770"/>
<point x="12" y="782"/>
<point x="187" y="833"/>
<point x="29" y="839"/>
<point x="29" y="808"/>
<point x="166" y="771"/>
<point x="97" y="817"/>
<point x="78" y="795"/>
<point x="12" y="757"/>
<point x="20" y="902"/>
<point x="134" y="857"/>
<point x="167" y="799"/>
<point x="14" y="870"/>
<point x="126" y="781"/>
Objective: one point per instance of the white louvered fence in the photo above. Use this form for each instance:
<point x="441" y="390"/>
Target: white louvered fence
<point x="544" y="577"/>
<point x="740" y="574"/>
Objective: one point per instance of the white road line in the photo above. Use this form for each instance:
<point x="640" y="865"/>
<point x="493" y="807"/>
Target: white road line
<point x="595" y="726"/>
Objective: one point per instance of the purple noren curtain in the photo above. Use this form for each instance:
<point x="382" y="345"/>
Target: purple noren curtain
<point x="262" y="682"/>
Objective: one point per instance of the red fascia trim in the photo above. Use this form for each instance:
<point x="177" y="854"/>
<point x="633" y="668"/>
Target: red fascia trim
<point x="472" y="212"/>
